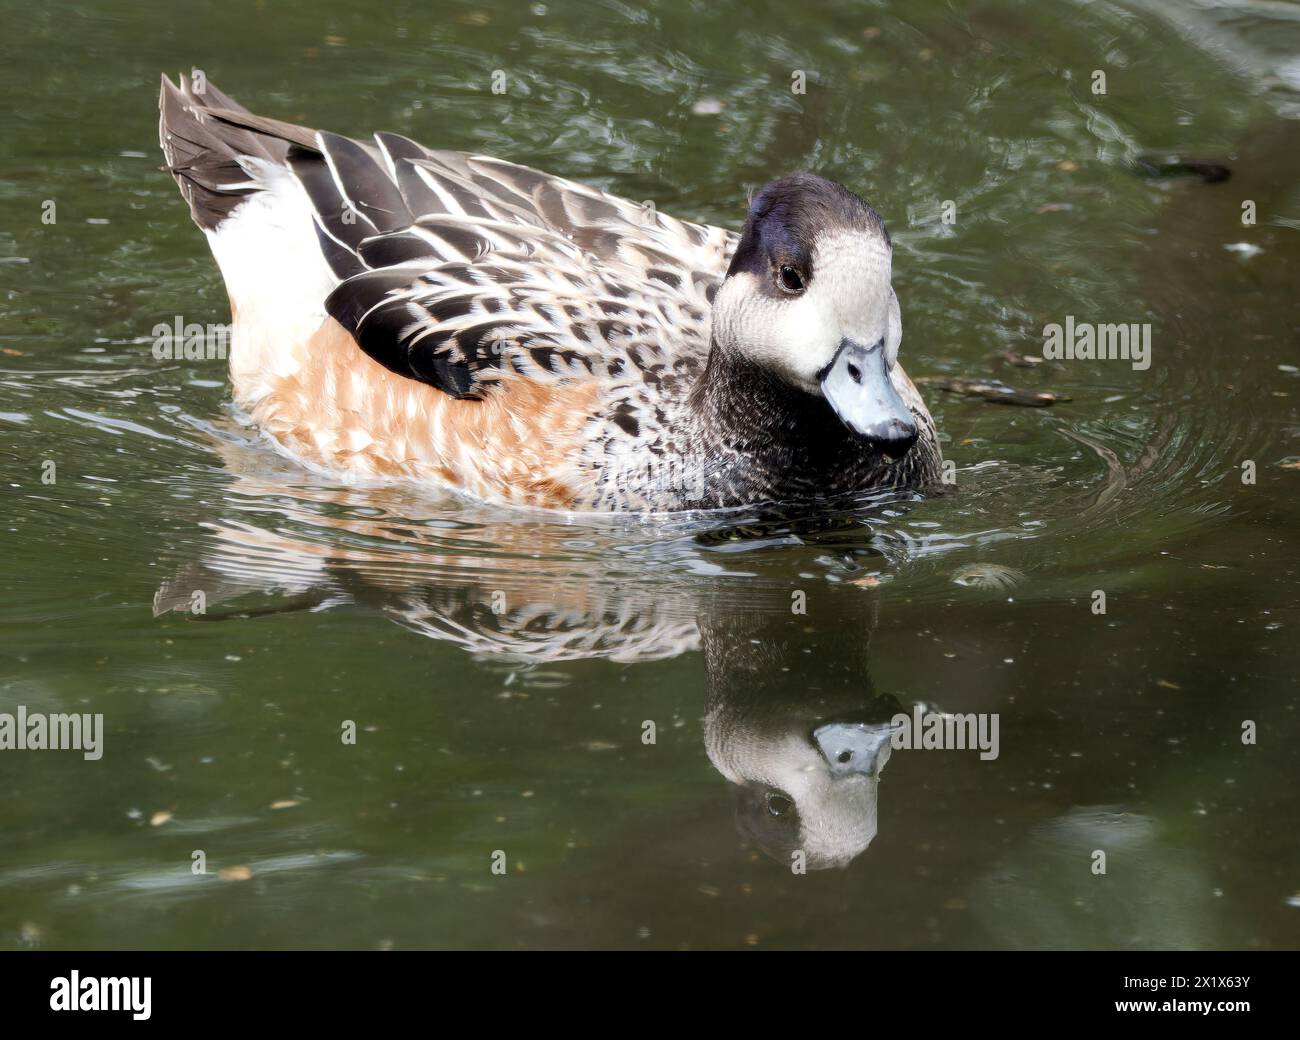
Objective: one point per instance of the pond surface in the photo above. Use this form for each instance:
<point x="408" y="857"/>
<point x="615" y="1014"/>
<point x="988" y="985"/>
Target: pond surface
<point x="505" y="671"/>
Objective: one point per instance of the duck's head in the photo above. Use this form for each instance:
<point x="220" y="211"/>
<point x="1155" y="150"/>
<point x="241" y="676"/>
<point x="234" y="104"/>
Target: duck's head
<point x="818" y="797"/>
<point x="808" y="299"/>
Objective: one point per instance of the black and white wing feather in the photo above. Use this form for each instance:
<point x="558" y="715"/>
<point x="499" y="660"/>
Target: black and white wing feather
<point x="455" y="269"/>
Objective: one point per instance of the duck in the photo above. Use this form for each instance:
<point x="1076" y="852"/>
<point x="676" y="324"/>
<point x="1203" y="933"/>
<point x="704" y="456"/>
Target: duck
<point x="401" y="313"/>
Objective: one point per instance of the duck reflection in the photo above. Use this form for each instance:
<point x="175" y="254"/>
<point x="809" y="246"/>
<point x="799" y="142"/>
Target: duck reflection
<point x="791" y="717"/>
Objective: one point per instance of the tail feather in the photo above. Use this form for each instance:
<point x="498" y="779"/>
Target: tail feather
<point x="235" y="171"/>
<point x="203" y="136"/>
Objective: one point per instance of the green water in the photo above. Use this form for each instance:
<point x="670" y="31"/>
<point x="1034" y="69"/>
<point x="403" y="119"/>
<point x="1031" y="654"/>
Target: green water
<point x="520" y="730"/>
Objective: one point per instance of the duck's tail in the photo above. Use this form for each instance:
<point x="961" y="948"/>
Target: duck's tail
<point x="209" y="139"/>
<point x="233" y="168"/>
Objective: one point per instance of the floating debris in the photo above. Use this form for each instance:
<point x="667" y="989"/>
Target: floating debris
<point x="1177" y="166"/>
<point x="996" y="391"/>
<point x="987" y="576"/>
<point x="1014" y="357"/>
<point x="600" y="745"/>
<point x="240" y="873"/>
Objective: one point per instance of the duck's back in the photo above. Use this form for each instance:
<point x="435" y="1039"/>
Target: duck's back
<point x="579" y="319"/>
<point x="510" y="267"/>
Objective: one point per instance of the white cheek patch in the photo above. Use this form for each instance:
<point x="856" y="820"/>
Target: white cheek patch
<point x="851" y="272"/>
<point x="793" y="336"/>
<point x="849" y="297"/>
<point x="894" y="337"/>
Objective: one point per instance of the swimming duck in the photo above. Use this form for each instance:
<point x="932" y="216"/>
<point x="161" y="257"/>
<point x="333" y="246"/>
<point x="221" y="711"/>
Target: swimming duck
<point x="450" y="318"/>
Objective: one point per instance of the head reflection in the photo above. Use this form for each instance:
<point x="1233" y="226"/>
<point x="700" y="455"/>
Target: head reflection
<point x="794" y="724"/>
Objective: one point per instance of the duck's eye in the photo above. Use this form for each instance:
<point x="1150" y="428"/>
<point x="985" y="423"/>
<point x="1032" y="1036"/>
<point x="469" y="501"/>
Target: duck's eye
<point x="791" y="280"/>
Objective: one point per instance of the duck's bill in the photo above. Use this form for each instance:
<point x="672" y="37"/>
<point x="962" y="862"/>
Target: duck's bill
<point x="855" y="748"/>
<point x="857" y="386"/>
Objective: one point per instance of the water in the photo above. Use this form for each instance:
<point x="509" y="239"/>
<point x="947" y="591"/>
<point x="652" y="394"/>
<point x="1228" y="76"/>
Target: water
<point x="500" y="667"/>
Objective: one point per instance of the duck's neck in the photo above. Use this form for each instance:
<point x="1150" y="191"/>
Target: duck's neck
<point x="764" y="432"/>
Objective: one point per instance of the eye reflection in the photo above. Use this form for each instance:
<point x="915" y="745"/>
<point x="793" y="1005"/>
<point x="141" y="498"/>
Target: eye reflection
<point x="778" y="804"/>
